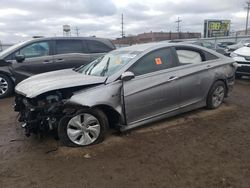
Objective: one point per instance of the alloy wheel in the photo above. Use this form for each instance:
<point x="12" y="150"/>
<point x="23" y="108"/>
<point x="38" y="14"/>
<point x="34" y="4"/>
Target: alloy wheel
<point x="218" y="96"/>
<point x="3" y="86"/>
<point x="83" y="129"/>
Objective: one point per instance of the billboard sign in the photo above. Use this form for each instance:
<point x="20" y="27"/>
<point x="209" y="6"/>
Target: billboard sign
<point x="216" y="28"/>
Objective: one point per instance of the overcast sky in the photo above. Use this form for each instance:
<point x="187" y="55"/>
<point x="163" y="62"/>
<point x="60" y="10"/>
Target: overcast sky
<point x="22" y="19"/>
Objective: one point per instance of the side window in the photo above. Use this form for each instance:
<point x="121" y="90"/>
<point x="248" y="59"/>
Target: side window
<point x="208" y="45"/>
<point x="97" y="47"/>
<point x="188" y="56"/>
<point x="69" y="46"/>
<point x="37" y="49"/>
<point x="154" y="61"/>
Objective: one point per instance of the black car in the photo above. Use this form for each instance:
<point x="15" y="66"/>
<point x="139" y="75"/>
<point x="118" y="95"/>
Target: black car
<point x="47" y="54"/>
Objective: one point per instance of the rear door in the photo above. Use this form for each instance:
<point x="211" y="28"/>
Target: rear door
<point x="70" y="54"/>
<point x="194" y="74"/>
<point x="155" y="89"/>
<point x="37" y="55"/>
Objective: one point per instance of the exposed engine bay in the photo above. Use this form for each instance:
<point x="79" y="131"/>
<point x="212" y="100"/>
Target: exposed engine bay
<point x="43" y="113"/>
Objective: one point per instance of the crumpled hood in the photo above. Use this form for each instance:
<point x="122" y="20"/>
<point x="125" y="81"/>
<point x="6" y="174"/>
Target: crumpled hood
<point x="50" y="81"/>
<point x="244" y="51"/>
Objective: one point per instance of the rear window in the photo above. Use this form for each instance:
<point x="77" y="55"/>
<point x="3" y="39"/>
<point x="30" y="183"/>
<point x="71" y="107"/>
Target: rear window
<point x="97" y="47"/>
<point x="188" y="56"/>
<point x="69" y="46"/>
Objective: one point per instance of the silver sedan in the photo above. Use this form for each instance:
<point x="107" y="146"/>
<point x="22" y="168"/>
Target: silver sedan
<point x="124" y="89"/>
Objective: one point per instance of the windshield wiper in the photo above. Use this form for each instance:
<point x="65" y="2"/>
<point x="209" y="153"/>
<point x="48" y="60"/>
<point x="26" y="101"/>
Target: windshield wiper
<point x="106" y="68"/>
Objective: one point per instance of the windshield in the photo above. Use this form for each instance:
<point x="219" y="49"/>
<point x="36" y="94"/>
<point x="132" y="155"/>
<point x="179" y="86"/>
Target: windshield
<point x="108" y="64"/>
<point x="12" y="48"/>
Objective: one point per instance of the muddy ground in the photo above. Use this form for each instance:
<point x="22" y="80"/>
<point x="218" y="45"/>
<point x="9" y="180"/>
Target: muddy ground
<point x="202" y="148"/>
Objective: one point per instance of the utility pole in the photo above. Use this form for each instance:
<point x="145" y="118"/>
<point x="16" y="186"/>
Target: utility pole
<point x="248" y="7"/>
<point x="77" y="31"/>
<point x="122" y="33"/>
<point x="178" y="21"/>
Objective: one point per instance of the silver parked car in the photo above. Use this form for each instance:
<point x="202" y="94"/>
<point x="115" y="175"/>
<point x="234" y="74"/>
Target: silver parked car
<point x="125" y="88"/>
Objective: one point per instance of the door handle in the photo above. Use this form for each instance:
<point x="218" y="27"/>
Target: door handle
<point x="59" y="60"/>
<point x="171" y="78"/>
<point x="47" y="61"/>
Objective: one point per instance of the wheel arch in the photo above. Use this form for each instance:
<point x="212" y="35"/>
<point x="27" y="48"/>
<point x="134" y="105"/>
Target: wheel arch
<point x="7" y="74"/>
<point x="224" y="80"/>
<point x="114" y="117"/>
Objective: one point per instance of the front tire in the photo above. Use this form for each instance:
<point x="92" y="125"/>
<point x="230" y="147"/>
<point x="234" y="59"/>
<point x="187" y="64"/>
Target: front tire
<point x="6" y="86"/>
<point x="86" y="127"/>
<point x="216" y="95"/>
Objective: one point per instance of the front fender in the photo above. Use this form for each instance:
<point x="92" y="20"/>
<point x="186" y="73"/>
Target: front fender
<point x="109" y="95"/>
<point x="6" y="71"/>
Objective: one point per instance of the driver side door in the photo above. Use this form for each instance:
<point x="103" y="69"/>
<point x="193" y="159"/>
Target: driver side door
<point x="155" y="90"/>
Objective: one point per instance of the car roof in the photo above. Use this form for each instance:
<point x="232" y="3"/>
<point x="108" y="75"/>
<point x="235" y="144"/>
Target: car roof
<point x="69" y="38"/>
<point x="103" y="40"/>
<point x="139" y="47"/>
<point x="155" y="45"/>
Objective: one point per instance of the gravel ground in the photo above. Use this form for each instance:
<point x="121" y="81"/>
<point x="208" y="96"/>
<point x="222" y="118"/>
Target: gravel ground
<point x="202" y="148"/>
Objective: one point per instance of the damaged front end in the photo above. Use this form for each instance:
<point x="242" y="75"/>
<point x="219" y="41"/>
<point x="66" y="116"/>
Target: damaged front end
<point x="41" y="114"/>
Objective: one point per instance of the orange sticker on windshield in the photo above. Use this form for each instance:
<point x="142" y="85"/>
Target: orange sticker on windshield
<point x="158" y="61"/>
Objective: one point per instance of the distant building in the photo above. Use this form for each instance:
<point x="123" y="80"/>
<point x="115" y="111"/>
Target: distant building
<point x="154" y="37"/>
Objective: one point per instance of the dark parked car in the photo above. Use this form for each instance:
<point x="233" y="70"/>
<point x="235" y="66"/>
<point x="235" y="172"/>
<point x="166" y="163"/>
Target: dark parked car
<point x="47" y="54"/>
<point x="124" y="89"/>
<point x="225" y="44"/>
<point x="221" y="46"/>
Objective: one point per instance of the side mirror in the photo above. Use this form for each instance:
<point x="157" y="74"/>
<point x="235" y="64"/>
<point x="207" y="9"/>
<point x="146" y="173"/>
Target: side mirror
<point x="126" y="76"/>
<point x="19" y="58"/>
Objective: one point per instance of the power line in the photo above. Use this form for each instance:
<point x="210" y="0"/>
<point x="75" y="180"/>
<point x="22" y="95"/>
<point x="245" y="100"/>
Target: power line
<point x="77" y="31"/>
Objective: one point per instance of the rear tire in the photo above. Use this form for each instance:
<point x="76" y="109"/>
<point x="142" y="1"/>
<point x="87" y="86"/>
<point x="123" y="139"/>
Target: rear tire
<point x="216" y="95"/>
<point x="6" y="86"/>
<point x="89" y="130"/>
